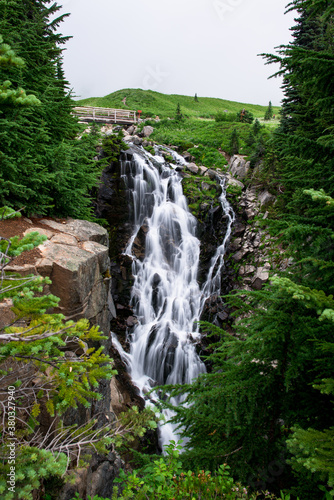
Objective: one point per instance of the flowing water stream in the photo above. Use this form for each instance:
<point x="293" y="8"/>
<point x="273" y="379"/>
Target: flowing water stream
<point x="166" y="296"/>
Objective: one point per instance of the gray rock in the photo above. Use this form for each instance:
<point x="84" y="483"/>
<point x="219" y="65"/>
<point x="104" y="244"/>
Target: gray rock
<point x="132" y="129"/>
<point x="81" y="229"/>
<point x="233" y="182"/>
<point x="127" y="138"/>
<point x="260" y="278"/>
<point x="64" y="239"/>
<point x="239" y="229"/>
<point x="238" y="256"/>
<point x="235" y="244"/>
<point x="192" y="168"/>
<point x="147" y="131"/>
<point x="137" y="140"/>
<point x="238" y="166"/>
<point x="202" y="170"/>
<point x="265" y="198"/>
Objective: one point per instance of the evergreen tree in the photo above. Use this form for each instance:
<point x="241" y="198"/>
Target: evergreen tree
<point x="269" y="112"/>
<point x="178" y="114"/>
<point x="245" y="116"/>
<point x="256" y="127"/>
<point x="196" y="98"/>
<point x="234" y="142"/>
<point x="43" y="166"/>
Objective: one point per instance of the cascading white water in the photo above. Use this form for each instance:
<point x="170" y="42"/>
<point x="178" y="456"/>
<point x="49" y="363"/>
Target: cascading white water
<point x="166" y="296"/>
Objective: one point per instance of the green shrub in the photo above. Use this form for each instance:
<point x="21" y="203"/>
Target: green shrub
<point x="224" y="116"/>
<point x="164" y="479"/>
<point x="112" y="146"/>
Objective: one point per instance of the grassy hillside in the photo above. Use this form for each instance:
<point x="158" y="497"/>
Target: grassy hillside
<point x="153" y="103"/>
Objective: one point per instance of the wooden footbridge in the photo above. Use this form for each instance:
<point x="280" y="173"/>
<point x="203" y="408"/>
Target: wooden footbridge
<point x="105" y="115"/>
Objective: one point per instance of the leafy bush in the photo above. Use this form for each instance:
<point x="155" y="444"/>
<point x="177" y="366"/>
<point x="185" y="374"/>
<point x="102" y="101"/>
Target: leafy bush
<point x="223" y="116"/>
<point x="164" y="479"/>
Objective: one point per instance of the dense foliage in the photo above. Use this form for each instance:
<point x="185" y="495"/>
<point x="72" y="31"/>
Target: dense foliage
<point x="43" y="166"/>
<point x="266" y="408"/>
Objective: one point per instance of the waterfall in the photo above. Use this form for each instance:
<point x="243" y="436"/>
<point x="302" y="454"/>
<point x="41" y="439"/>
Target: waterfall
<point x="166" y="296"/>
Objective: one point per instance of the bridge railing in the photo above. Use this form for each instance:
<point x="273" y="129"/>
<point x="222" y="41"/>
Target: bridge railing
<point x="111" y="115"/>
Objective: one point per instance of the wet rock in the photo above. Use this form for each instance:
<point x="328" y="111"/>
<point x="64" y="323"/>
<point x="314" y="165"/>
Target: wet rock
<point x="131" y="321"/>
<point x="235" y="245"/>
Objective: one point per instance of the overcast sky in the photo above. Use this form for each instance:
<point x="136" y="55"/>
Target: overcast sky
<point x="208" y="47"/>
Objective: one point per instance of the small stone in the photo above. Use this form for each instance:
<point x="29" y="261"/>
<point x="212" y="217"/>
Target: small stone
<point x="222" y="316"/>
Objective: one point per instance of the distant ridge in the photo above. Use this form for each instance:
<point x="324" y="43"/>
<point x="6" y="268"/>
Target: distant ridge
<point x="153" y="103"/>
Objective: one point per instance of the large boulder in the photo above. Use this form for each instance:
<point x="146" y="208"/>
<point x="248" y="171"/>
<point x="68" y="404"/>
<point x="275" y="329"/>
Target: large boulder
<point x="75" y="257"/>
